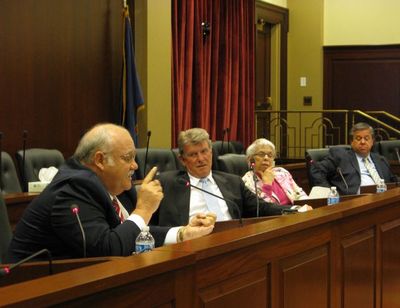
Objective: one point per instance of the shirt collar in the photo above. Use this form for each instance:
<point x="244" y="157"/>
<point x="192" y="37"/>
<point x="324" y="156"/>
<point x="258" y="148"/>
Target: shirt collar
<point x="195" y="181"/>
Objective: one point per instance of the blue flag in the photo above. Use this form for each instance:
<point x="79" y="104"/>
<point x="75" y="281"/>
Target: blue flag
<point x="131" y="96"/>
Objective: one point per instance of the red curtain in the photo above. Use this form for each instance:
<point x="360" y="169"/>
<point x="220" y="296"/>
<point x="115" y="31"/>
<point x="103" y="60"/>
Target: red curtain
<point x="213" y="75"/>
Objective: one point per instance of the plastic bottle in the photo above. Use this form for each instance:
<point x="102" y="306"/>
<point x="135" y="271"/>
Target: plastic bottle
<point x="144" y="241"/>
<point x="333" y="196"/>
<point x="381" y="187"/>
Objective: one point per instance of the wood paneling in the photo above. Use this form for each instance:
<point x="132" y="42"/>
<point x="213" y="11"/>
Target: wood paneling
<point x="362" y="77"/>
<point x="344" y="255"/>
<point x="60" y="64"/>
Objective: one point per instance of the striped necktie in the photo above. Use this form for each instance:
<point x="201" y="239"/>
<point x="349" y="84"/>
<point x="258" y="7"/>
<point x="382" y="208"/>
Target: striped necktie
<point x="372" y="171"/>
<point x="118" y="209"/>
<point x="211" y="201"/>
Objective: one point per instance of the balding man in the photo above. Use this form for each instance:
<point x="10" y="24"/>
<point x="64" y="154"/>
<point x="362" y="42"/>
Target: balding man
<point x="100" y="169"/>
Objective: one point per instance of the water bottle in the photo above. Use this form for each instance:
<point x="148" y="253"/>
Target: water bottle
<point x="144" y="241"/>
<point x="381" y="186"/>
<point x="333" y="196"/>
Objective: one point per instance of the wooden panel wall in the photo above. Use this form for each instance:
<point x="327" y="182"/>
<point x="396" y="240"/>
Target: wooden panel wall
<point x="60" y="67"/>
<point x="362" y="77"/>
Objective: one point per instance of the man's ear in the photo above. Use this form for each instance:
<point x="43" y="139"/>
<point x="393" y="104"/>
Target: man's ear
<point x="182" y="160"/>
<point x="99" y="159"/>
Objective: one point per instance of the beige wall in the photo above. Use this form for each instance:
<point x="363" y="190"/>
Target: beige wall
<point x="282" y="3"/>
<point x="361" y="22"/>
<point x="153" y="39"/>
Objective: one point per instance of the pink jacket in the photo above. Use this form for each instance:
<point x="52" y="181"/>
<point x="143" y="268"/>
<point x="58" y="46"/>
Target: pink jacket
<point x="284" y="179"/>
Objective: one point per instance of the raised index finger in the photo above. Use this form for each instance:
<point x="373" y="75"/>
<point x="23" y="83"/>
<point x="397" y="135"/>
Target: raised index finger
<point x="149" y="177"/>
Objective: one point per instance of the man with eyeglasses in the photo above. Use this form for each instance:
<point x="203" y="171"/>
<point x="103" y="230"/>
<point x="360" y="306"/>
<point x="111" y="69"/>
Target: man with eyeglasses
<point x="350" y="168"/>
<point x="99" y="171"/>
<point x="182" y="200"/>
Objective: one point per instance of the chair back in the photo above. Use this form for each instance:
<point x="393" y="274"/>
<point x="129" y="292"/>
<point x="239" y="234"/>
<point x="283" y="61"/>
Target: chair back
<point x="36" y="159"/>
<point x="5" y="231"/>
<point x="224" y="147"/>
<point x="233" y="163"/>
<point x="390" y="149"/>
<point x="164" y="159"/>
<point x="9" y="178"/>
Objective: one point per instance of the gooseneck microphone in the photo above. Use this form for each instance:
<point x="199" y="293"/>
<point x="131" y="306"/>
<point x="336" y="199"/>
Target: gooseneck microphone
<point x="339" y="170"/>
<point x="252" y="163"/>
<point x="227" y="137"/>
<point x="24" y="138"/>
<point x="147" y="151"/>
<point x="7" y="270"/>
<point x="1" y="162"/>
<point x="396" y="150"/>
<point x="187" y="184"/>
<point x="75" y="211"/>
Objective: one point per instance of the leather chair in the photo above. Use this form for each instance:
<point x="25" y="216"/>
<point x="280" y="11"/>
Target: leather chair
<point x="316" y="155"/>
<point x="9" y="178"/>
<point x="5" y="231"/>
<point x="164" y="159"/>
<point x="36" y="159"/>
<point x="390" y="149"/>
<point x="233" y="163"/>
<point x="225" y="147"/>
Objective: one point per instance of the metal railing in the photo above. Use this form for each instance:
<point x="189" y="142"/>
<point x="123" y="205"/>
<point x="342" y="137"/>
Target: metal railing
<point x="294" y="131"/>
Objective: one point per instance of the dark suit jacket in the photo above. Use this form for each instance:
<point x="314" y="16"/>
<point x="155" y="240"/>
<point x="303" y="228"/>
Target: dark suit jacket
<point x="325" y="172"/>
<point x="49" y="223"/>
<point x="174" y="208"/>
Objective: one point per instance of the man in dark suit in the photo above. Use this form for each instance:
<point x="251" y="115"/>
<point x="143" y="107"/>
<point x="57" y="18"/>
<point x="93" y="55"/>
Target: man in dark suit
<point x="181" y="201"/>
<point x="358" y="165"/>
<point x="100" y="169"/>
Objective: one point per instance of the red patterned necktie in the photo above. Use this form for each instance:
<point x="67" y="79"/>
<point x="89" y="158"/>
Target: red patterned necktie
<point x="118" y="209"/>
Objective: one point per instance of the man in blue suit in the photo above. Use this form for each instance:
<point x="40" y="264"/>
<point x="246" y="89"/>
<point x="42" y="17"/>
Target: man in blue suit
<point x="350" y="168"/>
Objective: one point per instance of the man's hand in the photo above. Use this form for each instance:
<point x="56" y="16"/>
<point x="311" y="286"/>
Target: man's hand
<point x="149" y="196"/>
<point x="202" y="219"/>
<point x="200" y="225"/>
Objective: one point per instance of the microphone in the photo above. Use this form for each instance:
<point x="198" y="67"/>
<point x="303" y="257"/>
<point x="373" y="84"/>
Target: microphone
<point x="252" y="163"/>
<point x="147" y="151"/>
<point x="75" y="211"/>
<point x="187" y="184"/>
<point x="227" y="137"/>
<point x="7" y="270"/>
<point x="339" y="170"/>
<point x="1" y="162"/>
<point x="222" y="143"/>
<point x="396" y="150"/>
<point x="24" y="137"/>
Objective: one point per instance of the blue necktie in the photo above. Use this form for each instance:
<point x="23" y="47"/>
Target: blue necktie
<point x="211" y="201"/>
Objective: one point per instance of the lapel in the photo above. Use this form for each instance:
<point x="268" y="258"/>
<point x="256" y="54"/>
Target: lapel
<point x="354" y="161"/>
<point x="181" y="195"/>
<point x="224" y="186"/>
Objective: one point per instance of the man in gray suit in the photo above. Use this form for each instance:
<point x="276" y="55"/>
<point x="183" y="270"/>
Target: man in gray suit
<point x="183" y="200"/>
<point x="348" y="169"/>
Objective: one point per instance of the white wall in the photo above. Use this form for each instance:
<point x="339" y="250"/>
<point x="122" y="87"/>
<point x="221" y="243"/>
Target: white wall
<point x="361" y="22"/>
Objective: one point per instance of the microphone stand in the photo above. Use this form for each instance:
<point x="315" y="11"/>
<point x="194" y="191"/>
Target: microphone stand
<point x="147" y="151"/>
<point x="255" y="188"/>
<point x="6" y="270"/>
<point x="1" y="162"/>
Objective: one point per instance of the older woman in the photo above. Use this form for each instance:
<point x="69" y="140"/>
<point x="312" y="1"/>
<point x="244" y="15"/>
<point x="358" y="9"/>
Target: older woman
<point x="274" y="184"/>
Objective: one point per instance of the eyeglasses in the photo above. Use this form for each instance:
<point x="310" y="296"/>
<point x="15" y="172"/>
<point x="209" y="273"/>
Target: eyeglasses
<point x="128" y="157"/>
<point x="193" y="155"/>
<point x="263" y="154"/>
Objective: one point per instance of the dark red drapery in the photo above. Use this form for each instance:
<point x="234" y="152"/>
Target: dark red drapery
<point x="213" y="76"/>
